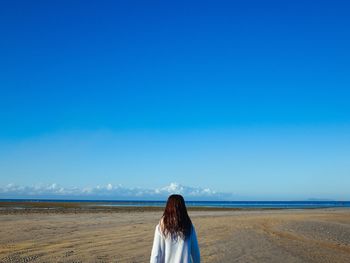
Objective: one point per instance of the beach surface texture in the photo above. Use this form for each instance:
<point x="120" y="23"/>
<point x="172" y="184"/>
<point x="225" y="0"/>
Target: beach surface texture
<point x="126" y="235"/>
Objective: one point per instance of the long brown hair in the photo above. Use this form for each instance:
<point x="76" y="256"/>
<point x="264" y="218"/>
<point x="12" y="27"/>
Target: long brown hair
<point x="175" y="220"/>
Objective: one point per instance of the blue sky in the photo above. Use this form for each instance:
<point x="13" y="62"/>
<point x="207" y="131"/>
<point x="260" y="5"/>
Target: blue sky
<point x="243" y="97"/>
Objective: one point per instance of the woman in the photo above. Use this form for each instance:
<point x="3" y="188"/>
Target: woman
<point x="175" y="239"/>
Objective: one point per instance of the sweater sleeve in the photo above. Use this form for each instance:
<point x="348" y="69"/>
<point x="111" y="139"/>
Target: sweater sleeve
<point x="195" y="254"/>
<point x="157" y="252"/>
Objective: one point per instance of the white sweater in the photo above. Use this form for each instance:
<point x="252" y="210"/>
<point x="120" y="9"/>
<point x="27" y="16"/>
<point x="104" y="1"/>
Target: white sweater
<point x="166" y="250"/>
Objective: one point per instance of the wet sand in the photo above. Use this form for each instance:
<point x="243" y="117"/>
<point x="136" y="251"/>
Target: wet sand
<point x="126" y="235"/>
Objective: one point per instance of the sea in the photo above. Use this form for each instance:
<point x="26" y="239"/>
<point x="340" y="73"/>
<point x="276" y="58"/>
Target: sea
<point x="212" y="204"/>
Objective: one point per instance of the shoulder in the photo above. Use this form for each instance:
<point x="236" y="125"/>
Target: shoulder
<point x="193" y="230"/>
<point x="159" y="226"/>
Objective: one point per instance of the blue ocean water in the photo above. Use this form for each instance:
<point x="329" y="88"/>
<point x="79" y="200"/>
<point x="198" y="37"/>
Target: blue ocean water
<point x="214" y="204"/>
<point x="240" y="204"/>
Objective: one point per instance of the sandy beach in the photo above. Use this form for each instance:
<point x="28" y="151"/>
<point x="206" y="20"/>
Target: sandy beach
<point x="126" y="235"/>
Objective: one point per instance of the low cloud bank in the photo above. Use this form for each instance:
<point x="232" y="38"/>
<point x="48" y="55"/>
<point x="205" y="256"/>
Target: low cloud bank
<point x="109" y="191"/>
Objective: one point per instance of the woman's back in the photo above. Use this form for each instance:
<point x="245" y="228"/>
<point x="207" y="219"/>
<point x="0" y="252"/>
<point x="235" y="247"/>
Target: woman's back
<point x="175" y="238"/>
<point x="167" y="249"/>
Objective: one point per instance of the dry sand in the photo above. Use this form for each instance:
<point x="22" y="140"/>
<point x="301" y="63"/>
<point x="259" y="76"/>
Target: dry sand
<point x="316" y="235"/>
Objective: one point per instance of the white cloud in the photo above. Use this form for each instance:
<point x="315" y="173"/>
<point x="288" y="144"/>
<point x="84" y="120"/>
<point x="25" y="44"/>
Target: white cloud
<point x="175" y="188"/>
<point x="110" y="191"/>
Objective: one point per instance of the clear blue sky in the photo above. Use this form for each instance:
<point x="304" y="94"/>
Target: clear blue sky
<point x="249" y="97"/>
